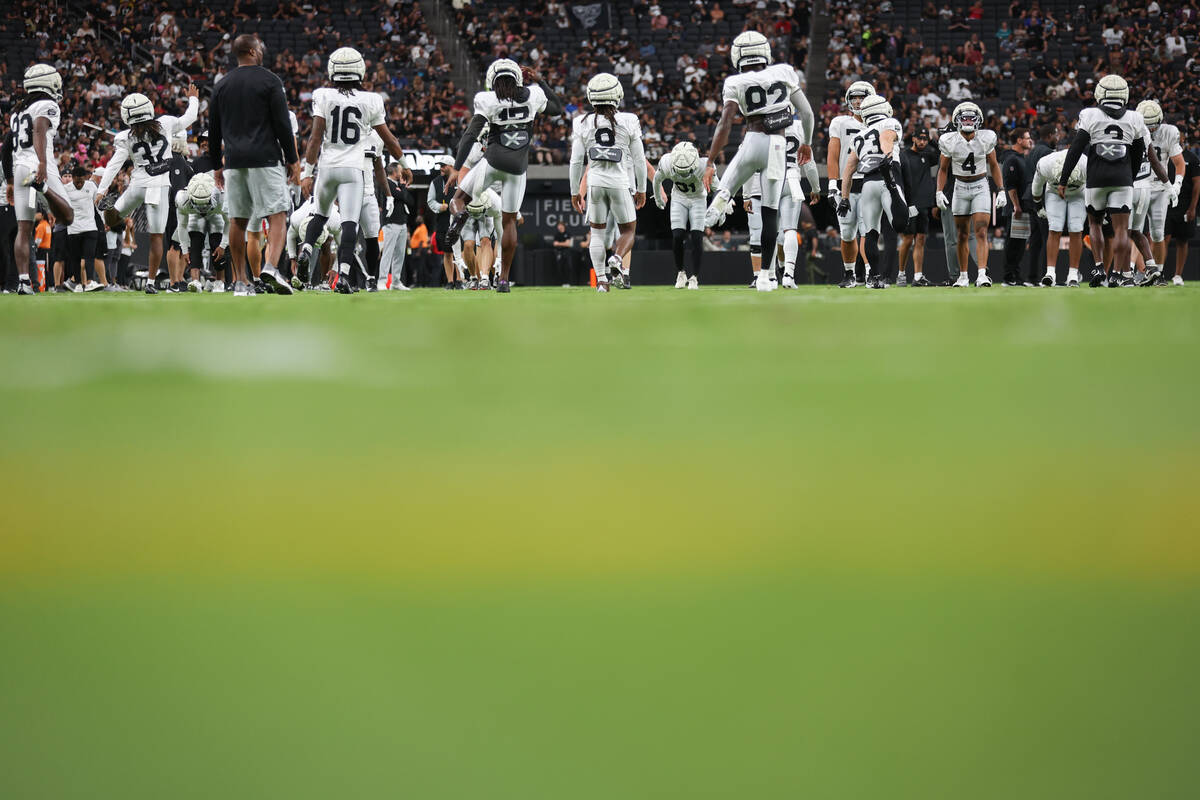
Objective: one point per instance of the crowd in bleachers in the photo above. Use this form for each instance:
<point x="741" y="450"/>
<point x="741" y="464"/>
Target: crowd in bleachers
<point x="156" y="47"/>
<point x="1028" y="63"/>
<point x="671" y="56"/>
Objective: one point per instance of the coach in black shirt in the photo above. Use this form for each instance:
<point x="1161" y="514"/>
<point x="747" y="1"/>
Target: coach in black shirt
<point x="916" y="163"/>
<point x="1014" y="187"/>
<point x="1044" y="144"/>
<point x="1181" y="219"/>
<point x="250" y="141"/>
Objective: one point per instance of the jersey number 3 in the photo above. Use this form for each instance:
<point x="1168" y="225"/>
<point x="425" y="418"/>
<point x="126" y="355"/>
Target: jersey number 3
<point x="24" y="131"/>
<point x="147" y="149"/>
<point x="344" y="125"/>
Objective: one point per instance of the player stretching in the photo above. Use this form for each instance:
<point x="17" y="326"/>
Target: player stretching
<point x="766" y="95"/>
<point x="343" y="117"/>
<point x="602" y="138"/>
<point x="1116" y="139"/>
<point x="1062" y="214"/>
<point x="683" y="167"/>
<point x="29" y="163"/>
<point x="876" y="157"/>
<point x="509" y="108"/>
<point x="971" y="154"/>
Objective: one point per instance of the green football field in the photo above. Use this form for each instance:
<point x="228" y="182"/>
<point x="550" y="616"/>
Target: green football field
<point x="653" y="544"/>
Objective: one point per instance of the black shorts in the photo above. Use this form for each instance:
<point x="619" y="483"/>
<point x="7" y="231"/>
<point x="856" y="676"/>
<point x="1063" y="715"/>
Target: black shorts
<point x="102" y="244"/>
<point x="58" y="246"/>
<point x="918" y="224"/>
<point x="1179" y="229"/>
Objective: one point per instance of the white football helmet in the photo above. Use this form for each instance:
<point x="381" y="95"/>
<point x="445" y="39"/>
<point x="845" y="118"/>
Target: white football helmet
<point x="135" y="108"/>
<point x="750" y="48"/>
<point x="874" y="107"/>
<point x="202" y="192"/>
<point x="859" y="90"/>
<point x="1151" y="112"/>
<point x="685" y="158"/>
<point x="43" y="78"/>
<point x="346" y="64"/>
<point x="503" y="66"/>
<point x="967" y="117"/>
<point x="605" y="89"/>
<point x="1112" y="95"/>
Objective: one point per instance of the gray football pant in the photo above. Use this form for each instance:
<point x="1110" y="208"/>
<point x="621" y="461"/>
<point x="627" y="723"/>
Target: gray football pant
<point x="395" y="245"/>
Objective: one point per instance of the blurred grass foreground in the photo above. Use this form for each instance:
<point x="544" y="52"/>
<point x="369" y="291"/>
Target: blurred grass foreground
<point x="713" y="544"/>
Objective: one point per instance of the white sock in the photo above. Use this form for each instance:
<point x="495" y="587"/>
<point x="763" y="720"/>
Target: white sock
<point x="1073" y="274"/>
<point x="917" y="276"/>
<point x="848" y="267"/>
<point x="596" y="251"/>
<point x="24" y="277"/>
<point x="983" y="272"/>
<point x="791" y="248"/>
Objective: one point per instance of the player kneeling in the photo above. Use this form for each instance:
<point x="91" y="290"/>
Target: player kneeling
<point x="602" y="138"/>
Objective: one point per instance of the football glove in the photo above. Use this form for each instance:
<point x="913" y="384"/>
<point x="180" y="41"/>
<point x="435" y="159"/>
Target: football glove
<point x="389" y="206"/>
<point x="942" y="201"/>
<point x="833" y="191"/>
<point x="1001" y="200"/>
<point x="843" y="207"/>
<point x="912" y="212"/>
<point x="1176" y="188"/>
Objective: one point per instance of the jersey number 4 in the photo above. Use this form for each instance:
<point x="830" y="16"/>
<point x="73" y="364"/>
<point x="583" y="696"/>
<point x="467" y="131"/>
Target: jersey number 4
<point x="756" y="96"/>
<point x="344" y="125"/>
<point x="969" y="163"/>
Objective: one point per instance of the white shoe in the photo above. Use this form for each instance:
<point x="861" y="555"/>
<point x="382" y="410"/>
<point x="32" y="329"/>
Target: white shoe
<point x="983" y="280"/>
<point x="484" y="283"/>
<point x="716" y="211"/>
<point x="681" y="280"/>
<point x="1048" y="280"/>
<point x="242" y="289"/>
<point x="1177" y="280"/>
<point x="217" y="287"/>
<point x="764" y="283"/>
<point x="962" y="281"/>
<point x="194" y="286"/>
<point x="1072" y="283"/>
<point x="93" y="286"/>
<point x="788" y="282"/>
<point x="693" y="283"/>
<point x="602" y="285"/>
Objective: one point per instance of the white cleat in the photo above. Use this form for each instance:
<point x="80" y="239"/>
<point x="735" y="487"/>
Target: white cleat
<point x="983" y="281"/>
<point x="1072" y="283"/>
<point x="693" y="283"/>
<point x="217" y="287"/>
<point x="716" y="211"/>
<point x="764" y="283"/>
<point x="1177" y="280"/>
<point x="602" y="286"/>
<point x="1048" y="280"/>
<point x="681" y="280"/>
<point x="788" y="282"/>
<point x="962" y="281"/>
<point x="93" y="286"/>
<point x="194" y="286"/>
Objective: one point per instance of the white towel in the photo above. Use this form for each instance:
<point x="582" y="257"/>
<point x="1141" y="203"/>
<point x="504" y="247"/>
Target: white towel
<point x="776" y="159"/>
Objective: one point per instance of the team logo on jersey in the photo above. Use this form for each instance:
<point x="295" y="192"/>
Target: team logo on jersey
<point x="514" y="140"/>
<point x="52" y="111"/>
<point x="1111" y="151"/>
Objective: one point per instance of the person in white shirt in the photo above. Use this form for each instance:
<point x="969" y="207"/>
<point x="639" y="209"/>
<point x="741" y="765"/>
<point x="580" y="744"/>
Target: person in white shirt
<point x="82" y="235"/>
<point x="1176" y="46"/>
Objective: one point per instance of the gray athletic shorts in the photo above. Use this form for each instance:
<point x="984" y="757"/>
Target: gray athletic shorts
<point x="256" y="192"/>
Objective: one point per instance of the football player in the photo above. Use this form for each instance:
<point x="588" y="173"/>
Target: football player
<point x="478" y="237"/>
<point x="147" y="143"/>
<point x="509" y="108"/>
<point x="875" y="156"/>
<point x="29" y="163"/>
<point x="326" y="246"/>
<point x="1063" y="214"/>
<point x="792" y="200"/>
<point x="768" y="96"/>
<point x="1164" y="140"/>
<point x="375" y="193"/>
<point x="343" y="117"/>
<point x="1115" y="139"/>
<point x="970" y="153"/>
<point x="602" y="139"/>
<point x="200" y="229"/>
<point x="752" y="203"/>
<point x="683" y="167"/>
<point x="842" y="131"/>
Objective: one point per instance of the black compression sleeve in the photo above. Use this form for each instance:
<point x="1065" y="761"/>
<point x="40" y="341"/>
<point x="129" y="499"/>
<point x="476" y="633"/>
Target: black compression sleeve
<point x="6" y="154"/>
<point x="468" y="140"/>
<point x="554" y="104"/>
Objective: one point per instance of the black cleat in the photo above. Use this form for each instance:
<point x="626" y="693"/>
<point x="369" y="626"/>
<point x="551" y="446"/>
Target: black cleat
<point x="848" y="281"/>
<point x="1097" y="279"/>
<point x="177" y="288"/>
<point x="260" y="287"/>
<point x="302" y="263"/>
<point x="62" y="288"/>
<point x="876" y="282"/>
<point x="342" y="286"/>
<point x="455" y="228"/>
<point x="503" y="287"/>
<point x="922" y="281"/>
<point x="150" y="288"/>
<point x="1118" y="281"/>
<point x="25" y="287"/>
<point x="1048" y="280"/>
<point x="106" y="202"/>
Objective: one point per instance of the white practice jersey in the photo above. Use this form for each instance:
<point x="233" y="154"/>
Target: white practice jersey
<point x="83" y="203"/>
<point x="1165" y="142"/>
<point x="373" y="151"/>
<point x="349" y="118"/>
<point x="21" y="125"/>
<point x="1049" y="169"/>
<point x="1106" y="132"/>
<point x="502" y="113"/>
<point x="682" y="186"/>
<point x="844" y="128"/>
<point x="763" y="92"/>
<point x="608" y="148"/>
<point x="151" y="154"/>
<point x="968" y="157"/>
<point x="869" y="147"/>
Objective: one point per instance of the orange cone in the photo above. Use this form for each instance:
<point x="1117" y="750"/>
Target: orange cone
<point x="592" y="280"/>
